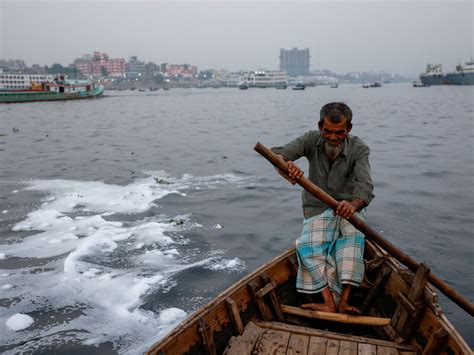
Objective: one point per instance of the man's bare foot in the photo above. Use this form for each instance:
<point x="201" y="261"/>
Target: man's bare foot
<point x="320" y="307"/>
<point x="346" y="309"/>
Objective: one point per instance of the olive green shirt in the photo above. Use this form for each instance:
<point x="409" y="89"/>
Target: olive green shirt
<point x="348" y="178"/>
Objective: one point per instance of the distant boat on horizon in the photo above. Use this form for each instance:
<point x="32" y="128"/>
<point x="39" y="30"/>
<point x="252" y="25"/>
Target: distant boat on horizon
<point x="418" y="84"/>
<point x="299" y="86"/>
<point x="373" y="85"/>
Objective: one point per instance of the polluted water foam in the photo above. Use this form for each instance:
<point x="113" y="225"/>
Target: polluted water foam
<point x="97" y="269"/>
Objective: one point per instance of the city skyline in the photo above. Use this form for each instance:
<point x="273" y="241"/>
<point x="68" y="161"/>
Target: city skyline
<point x="399" y="37"/>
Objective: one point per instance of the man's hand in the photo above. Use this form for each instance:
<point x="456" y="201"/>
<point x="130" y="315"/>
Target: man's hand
<point x="294" y="172"/>
<point x="346" y="209"/>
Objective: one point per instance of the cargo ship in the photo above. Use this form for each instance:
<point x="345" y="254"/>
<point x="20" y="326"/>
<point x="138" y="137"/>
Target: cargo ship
<point x="435" y="75"/>
<point x="464" y="74"/>
<point x="15" y="88"/>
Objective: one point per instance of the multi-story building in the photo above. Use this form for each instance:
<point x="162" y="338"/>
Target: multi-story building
<point x="116" y="67"/>
<point x="294" y="61"/>
<point x="182" y="70"/>
<point x="135" y="67"/>
<point x="97" y="63"/>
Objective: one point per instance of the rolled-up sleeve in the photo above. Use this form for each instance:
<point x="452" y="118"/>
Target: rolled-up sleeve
<point x="364" y="187"/>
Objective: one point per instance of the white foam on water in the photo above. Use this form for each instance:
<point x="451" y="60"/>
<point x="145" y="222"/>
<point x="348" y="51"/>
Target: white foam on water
<point x="19" y="322"/>
<point x="101" y="269"/>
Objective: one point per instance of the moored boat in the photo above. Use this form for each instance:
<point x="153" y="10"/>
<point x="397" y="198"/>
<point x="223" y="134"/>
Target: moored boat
<point x="401" y="314"/>
<point x="58" y="88"/>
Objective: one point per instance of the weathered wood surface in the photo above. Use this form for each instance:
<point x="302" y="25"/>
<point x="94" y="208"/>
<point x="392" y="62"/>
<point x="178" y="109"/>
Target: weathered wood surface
<point x="375" y="289"/>
<point x="336" y="317"/>
<point x="272" y="342"/>
<point x="298" y="344"/>
<point x="317" y="345"/>
<point x="293" y="329"/>
<point x="436" y="342"/>
<point x="234" y="315"/>
<point x="332" y="347"/>
<point x="406" y="316"/>
<point x="366" y="349"/>
<point x="347" y="347"/>
<point x="245" y="343"/>
<point x="257" y="340"/>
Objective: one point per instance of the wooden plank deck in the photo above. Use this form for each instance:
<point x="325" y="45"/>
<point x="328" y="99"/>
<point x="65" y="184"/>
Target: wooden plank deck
<point x="267" y="338"/>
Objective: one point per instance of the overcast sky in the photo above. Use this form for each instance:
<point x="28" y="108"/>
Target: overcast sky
<point x="400" y="37"/>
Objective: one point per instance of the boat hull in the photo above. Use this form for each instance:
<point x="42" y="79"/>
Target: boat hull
<point x="448" y="79"/>
<point x="460" y="78"/>
<point x="33" y="96"/>
<point x="210" y="329"/>
<point x="434" y="80"/>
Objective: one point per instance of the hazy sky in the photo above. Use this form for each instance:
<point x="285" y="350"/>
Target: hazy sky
<point x="343" y="36"/>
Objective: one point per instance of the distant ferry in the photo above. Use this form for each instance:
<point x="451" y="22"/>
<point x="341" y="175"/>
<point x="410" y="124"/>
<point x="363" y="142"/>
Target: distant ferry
<point x="266" y="79"/>
<point x="26" y="88"/>
<point x="435" y="75"/>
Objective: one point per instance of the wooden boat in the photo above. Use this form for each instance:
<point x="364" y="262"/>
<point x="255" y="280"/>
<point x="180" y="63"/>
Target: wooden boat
<point x="260" y="313"/>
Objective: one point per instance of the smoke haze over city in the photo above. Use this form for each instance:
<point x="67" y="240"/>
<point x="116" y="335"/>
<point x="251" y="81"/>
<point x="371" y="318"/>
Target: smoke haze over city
<point x="344" y="36"/>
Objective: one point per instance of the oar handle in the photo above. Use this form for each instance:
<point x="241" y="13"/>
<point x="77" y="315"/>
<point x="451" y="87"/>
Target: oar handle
<point x="369" y="232"/>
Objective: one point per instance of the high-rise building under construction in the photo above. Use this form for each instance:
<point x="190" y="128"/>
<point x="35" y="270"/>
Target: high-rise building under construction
<point x="294" y="61"/>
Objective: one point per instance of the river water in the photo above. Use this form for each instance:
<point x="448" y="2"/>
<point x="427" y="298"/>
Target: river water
<point x="120" y="216"/>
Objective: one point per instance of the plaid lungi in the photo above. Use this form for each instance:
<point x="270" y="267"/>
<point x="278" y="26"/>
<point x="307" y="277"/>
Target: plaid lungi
<point x="330" y="253"/>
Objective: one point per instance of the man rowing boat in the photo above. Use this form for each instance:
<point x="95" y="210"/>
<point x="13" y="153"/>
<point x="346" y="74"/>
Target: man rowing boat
<point x="330" y="250"/>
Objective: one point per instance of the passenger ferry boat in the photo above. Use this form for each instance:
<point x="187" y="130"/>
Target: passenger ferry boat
<point x="26" y="88"/>
<point x="266" y="79"/>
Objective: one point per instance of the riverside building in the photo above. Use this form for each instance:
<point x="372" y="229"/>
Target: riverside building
<point x="294" y="61"/>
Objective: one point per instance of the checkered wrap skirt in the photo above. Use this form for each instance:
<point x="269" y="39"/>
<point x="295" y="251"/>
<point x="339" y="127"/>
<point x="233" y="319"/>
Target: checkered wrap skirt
<point x="330" y="253"/>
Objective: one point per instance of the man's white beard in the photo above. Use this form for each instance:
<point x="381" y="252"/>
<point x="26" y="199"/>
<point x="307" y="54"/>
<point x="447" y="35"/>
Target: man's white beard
<point x="333" y="151"/>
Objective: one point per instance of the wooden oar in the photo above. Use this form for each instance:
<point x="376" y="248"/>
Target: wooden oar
<point x="369" y="232"/>
<point x="336" y="317"/>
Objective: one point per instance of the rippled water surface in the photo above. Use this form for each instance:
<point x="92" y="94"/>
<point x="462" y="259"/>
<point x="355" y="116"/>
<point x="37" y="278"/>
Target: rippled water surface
<point x="122" y="215"/>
